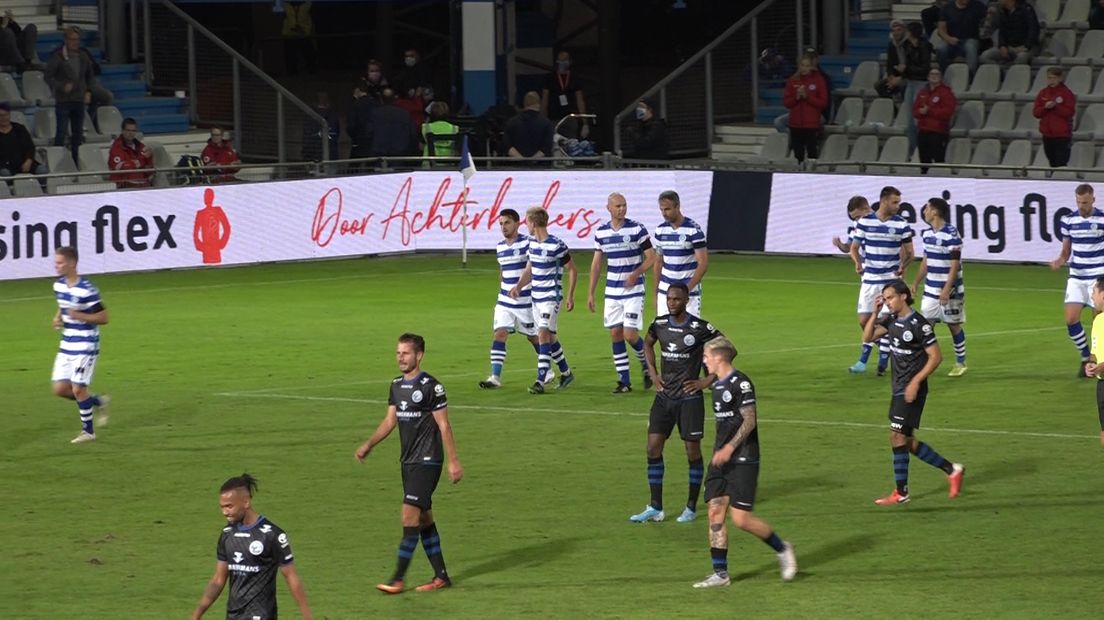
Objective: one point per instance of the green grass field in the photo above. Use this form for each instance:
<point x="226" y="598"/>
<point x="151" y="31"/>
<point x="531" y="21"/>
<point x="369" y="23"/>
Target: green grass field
<point x="282" y="370"/>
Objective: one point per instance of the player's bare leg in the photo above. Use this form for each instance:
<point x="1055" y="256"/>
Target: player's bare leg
<point x="718" y="545"/>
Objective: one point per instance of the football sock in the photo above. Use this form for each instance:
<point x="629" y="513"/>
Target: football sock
<point x="85" y="407"/>
<point x="638" y="350"/>
<point x="720" y="560"/>
<point x="883" y="353"/>
<point x="556" y="351"/>
<point x="697" y="472"/>
<point x="544" y="361"/>
<point x="655" y="481"/>
<point x="498" y="357"/>
<point x="774" y="542"/>
<point x="900" y="468"/>
<point x="96" y="402"/>
<point x="406" y="551"/>
<point x="621" y="362"/>
<point x="431" y="542"/>
<point x="959" y="340"/>
<point x="864" y="355"/>
<point x="1077" y="335"/>
<point x="931" y="457"/>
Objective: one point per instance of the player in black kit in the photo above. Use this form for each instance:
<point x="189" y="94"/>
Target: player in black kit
<point x="678" y="399"/>
<point x="418" y="406"/>
<point x="734" y="469"/>
<point x="250" y="551"/>
<point x="915" y="356"/>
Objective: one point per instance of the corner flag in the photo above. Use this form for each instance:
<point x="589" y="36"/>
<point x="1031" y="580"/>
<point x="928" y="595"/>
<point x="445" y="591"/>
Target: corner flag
<point x="467" y="166"/>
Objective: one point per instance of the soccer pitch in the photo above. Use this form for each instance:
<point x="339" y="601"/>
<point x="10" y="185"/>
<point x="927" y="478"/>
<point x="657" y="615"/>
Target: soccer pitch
<point x="282" y="370"/>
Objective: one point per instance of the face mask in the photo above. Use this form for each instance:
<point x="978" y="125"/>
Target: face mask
<point x="410" y="61"/>
<point x="563" y="65"/>
<point x="640" y="113"/>
<point x="427" y="94"/>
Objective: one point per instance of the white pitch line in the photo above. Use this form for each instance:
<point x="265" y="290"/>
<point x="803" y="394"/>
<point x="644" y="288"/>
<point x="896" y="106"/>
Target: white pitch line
<point x="368" y="401"/>
<point x="856" y="283"/>
<point x="1005" y="332"/>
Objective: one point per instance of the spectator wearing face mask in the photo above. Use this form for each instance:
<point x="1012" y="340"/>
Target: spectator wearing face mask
<point x="563" y="95"/>
<point x="372" y="82"/>
<point x="652" y="142"/>
<point x="414" y="79"/>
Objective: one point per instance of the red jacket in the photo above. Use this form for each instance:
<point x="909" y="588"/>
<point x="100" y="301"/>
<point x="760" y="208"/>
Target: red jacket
<point x="805" y="113"/>
<point x="940" y="103"/>
<point x="1056" y="122"/>
<point x="123" y="157"/>
<point x="222" y="154"/>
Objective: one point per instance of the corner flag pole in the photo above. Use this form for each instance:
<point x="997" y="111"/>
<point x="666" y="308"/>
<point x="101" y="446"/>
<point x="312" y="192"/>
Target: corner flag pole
<point x="467" y="168"/>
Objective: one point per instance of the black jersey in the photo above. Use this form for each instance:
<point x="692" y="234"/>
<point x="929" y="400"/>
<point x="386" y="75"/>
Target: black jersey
<point x="909" y="338"/>
<point x="680" y="347"/>
<point x="731" y="394"/>
<point x="253" y="554"/>
<point x="415" y="401"/>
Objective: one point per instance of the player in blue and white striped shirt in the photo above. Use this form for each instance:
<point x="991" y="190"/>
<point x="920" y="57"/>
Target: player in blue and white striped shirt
<point x="1083" y="247"/>
<point x="548" y="257"/>
<point x="881" y="250"/>
<point x="857" y="207"/>
<point x="681" y="243"/>
<point x="940" y="274"/>
<point x="629" y="255"/>
<point x="79" y="316"/>
<point x="510" y="315"/>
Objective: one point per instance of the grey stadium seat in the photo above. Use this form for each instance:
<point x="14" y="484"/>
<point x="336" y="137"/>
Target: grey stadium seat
<point x="45" y="126"/>
<point x="1037" y="85"/>
<point x="1040" y="161"/>
<point x="1048" y="11"/>
<point x="1061" y="43"/>
<point x="110" y="121"/>
<point x="1075" y="14"/>
<point x="1091" y="125"/>
<point x="879" y="117"/>
<point x="958" y="152"/>
<point x="849" y="114"/>
<point x="987" y="152"/>
<point x="5" y="191"/>
<point x="957" y="77"/>
<point x="864" y="150"/>
<point x="1017" y="81"/>
<point x="1097" y="93"/>
<point x="1079" y="80"/>
<point x="894" y="151"/>
<point x="970" y="116"/>
<point x="775" y="150"/>
<point x="833" y="150"/>
<point x="1001" y="119"/>
<point x="1082" y="155"/>
<point x="9" y="91"/>
<point x="93" y="158"/>
<point x="1018" y="153"/>
<point x="864" y="78"/>
<point x="26" y="187"/>
<point x="35" y="89"/>
<point x="986" y="82"/>
<point x="1089" y="51"/>
<point x="1027" y="126"/>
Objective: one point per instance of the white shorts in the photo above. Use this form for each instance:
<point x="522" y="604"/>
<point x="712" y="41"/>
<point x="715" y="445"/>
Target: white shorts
<point x="693" y="305"/>
<point x="546" y="314"/>
<point x="627" y="313"/>
<point x="518" y="320"/>
<point x="1079" y="291"/>
<point x="76" y="369"/>
<point x="951" y="313"/>
<point x="867" y="294"/>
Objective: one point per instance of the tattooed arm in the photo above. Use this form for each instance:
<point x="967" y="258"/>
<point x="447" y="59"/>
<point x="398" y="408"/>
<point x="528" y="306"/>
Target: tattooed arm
<point x="722" y="456"/>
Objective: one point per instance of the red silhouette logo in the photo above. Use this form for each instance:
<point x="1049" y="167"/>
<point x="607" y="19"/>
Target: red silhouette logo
<point x="212" y="229"/>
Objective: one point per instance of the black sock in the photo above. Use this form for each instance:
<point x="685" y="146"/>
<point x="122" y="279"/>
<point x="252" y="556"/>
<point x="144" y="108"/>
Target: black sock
<point x="431" y="542"/>
<point x="655" y="481"/>
<point x="697" y="472"/>
<point x="406" y="551"/>
<point x="720" y="560"/>
<point x="900" y="468"/>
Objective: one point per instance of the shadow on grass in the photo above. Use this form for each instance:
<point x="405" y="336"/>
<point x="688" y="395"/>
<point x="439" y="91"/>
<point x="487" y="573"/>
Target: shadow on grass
<point x="527" y="557"/>
<point x="818" y="555"/>
<point x="797" y="486"/>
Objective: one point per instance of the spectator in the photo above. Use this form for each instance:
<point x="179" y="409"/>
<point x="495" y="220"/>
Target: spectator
<point x="1096" y="15"/>
<point x="298" y="34"/>
<point x="918" y="54"/>
<point x="312" y="131"/>
<point x="440" y="144"/>
<point x="392" y="132"/>
<point x="528" y="134"/>
<point x="17" y="149"/>
<point x="415" y="106"/>
<point x="959" y="27"/>
<point x="930" y="18"/>
<point x="219" y="158"/>
<point x="933" y="109"/>
<point x="563" y="95"/>
<point x="806" y="95"/>
<point x="69" y="75"/>
<point x="359" y="124"/>
<point x="17" y="44"/>
<point x="895" y="54"/>
<point x="129" y="155"/>
<point x="1017" y="36"/>
<point x="414" y="79"/>
<point x="989" y="25"/>
<point x="774" y="66"/>
<point x="782" y="122"/>
<point x="1055" y="107"/>
<point x="372" y="82"/>
<point x="652" y="142"/>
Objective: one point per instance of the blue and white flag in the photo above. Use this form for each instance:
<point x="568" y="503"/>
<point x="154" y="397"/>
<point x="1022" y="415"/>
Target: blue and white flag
<point x="467" y="166"/>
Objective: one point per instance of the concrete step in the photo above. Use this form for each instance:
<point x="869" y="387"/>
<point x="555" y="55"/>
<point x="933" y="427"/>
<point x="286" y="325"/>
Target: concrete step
<point x="160" y="123"/>
<point x="135" y="106"/>
<point x="125" y="89"/>
<point x="737" y="149"/>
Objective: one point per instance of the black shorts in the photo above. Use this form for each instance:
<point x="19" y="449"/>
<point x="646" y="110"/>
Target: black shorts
<point x="688" y="414"/>
<point x="904" y="417"/>
<point x="1100" y="402"/>
<point x="419" y="482"/>
<point x="736" y="481"/>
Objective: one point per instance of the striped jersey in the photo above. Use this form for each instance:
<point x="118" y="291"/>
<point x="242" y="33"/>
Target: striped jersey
<point x="940" y="248"/>
<point x="511" y="261"/>
<point x="1086" y="235"/>
<point x="78" y="337"/>
<point x="677" y="245"/>
<point x="546" y="260"/>
<point x="880" y="245"/>
<point x="624" y="249"/>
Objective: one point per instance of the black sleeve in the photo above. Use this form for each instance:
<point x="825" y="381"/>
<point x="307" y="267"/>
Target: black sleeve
<point x="439" y="400"/>
<point x="282" y="549"/>
<point x="885" y="320"/>
<point x="220" y="552"/>
<point x="546" y="139"/>
<point x="892" y="60"/>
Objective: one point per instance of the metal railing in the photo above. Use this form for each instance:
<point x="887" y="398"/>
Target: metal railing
<point x="224" y="88"/>
<point x="721" y="82"/>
